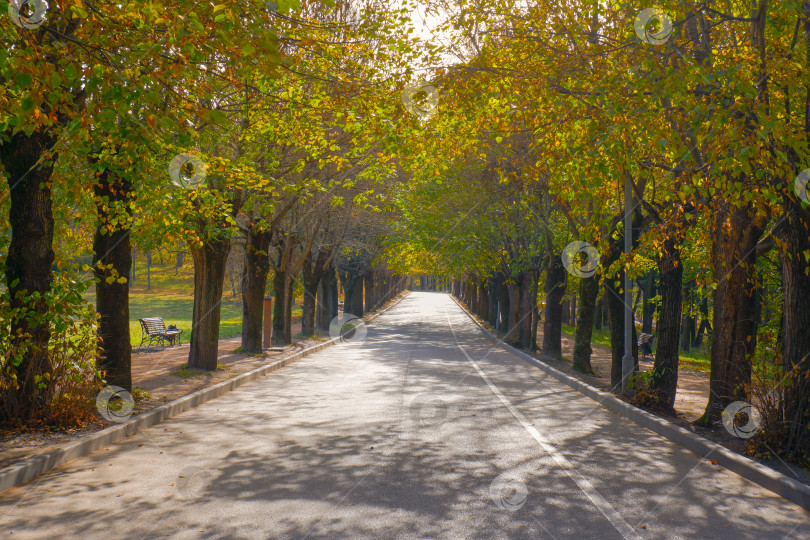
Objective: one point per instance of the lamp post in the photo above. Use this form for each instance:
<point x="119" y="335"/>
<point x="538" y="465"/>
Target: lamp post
<point x="627" y="360"/>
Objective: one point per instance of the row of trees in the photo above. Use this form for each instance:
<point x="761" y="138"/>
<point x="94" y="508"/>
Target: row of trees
<point x="202" y="124"/>
<point x="548" y="112"/>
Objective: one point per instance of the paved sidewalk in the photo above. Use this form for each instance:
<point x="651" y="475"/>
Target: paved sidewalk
<point x="153" y="372"/>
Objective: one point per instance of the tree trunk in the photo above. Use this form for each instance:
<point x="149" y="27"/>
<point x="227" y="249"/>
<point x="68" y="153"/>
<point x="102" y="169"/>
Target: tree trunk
<point x="357" y="296"/>
<point x="28" y="270"/>
<point x="615" y="303"/>
<point x="566" y="312"/>
<point x="281" y="294"/>
<point x="705" y="327"/>
<point x="353" y="294"/>
<point x="588" y="292"/>
<point x="310" y="295"/>
<point x="347" y="297"/>
<point x="556" y="277"/>
<point x="254" y="285"/>
<point x="599" y="310"/>
<point x="209" y="280"/>
<point x="324" y="299"/>
<point x="322" y="310"/>
<point x="473" y="294"/>
<point x="665" y="369"/>
<point x="513" y="335"/>
<point x="687" y="331"/>
<point x="570" y="311"/>
<point x="469" y="292"/>
<point x="503" y="305"/>
<point x="795" y="321"/>
<point x="648" y="308"/>
<point x="132" y="268"/>
<point x="688" y="324"/>
<point x="796" y="325"/>
<point x="335" y="298"/>
<point x="734" y="237"/>
<point x="288" y="309"/>
<point x="370" y="292"/>
<point x="483" y="298"/>
<point x="492" y="306"/>
<point x="113" y="259"/>
<point x="313" y="272"/>
<point x="528" y="305"/>
<point x="796" y="304"/>
<point x="148" y="270"/>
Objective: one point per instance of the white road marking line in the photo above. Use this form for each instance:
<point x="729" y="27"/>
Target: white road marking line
<point x="595" y="497"/>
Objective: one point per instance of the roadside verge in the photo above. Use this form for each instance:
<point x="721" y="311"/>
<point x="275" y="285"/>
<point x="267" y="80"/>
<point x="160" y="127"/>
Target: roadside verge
<point x="749" y="469"/>
<point x="30" y="468"/>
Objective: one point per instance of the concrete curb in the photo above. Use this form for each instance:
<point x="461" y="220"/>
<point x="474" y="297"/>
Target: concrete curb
<point x="22" y="472"/>
<point x="749" y="469"/>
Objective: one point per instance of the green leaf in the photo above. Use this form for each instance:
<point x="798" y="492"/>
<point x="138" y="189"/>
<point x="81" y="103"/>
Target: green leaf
<point x="214" y="117"/>
<point x="70" y="73"/>
<point x="27" y="103"/>
<point x="284" y="6"/>
<point x="23" y="80"/>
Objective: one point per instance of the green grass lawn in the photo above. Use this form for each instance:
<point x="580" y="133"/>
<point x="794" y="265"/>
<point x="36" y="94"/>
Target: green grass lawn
<point x="171" y="297"/>
<point x="696" y="359"/>
<point x="176" y="309"/>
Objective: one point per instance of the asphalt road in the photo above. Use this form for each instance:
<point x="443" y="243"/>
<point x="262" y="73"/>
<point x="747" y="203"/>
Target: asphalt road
<point x="423" y="430"/>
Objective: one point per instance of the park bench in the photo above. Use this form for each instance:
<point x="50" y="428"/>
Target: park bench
<point x="154" y="332"/>
<point x="645" y="344"/>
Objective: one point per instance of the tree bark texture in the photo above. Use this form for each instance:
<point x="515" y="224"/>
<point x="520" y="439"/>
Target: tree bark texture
<point x="257" y="268"/>
<point x="28" y="269"/>
<point x="588" y="292"/>
<point x="112" y="259"/>
<point x="665" y="369"/>
<point x="556" y="278"/>
<point x="209" y="280"/>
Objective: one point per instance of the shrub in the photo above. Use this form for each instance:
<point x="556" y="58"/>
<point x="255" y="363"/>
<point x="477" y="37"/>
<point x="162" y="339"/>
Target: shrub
<point x="769" y="391"/>
<point x="69" y="388"/>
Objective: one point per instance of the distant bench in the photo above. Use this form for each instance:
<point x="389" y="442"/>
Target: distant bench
<point x="154" y="332"/>
<point x="645" y="344"/>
